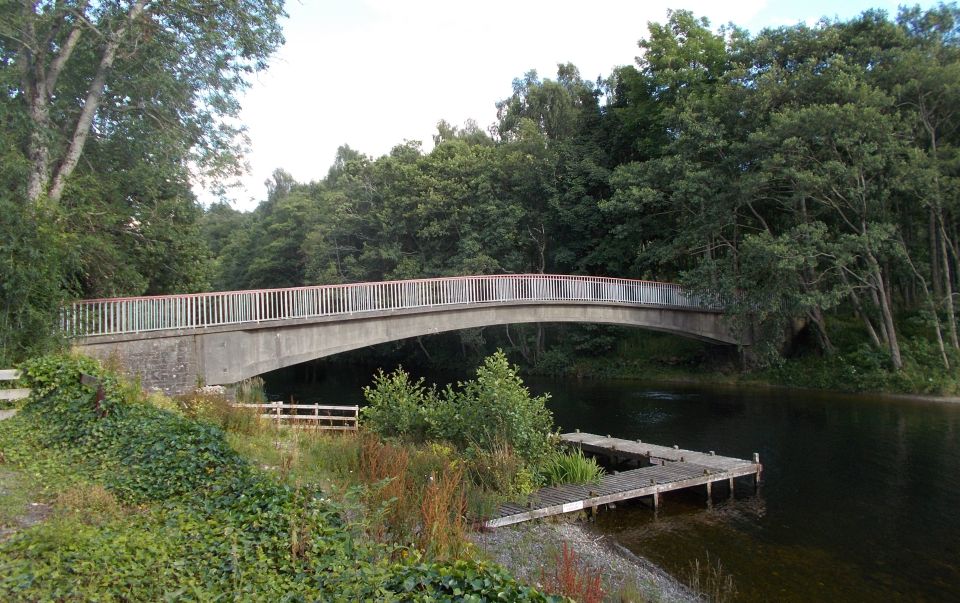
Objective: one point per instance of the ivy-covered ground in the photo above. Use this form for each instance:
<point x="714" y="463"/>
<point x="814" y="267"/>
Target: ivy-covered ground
<point x="146" y="503"/>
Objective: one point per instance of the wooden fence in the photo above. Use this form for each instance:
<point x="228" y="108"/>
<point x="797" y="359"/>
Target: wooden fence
<point x="12" y="394"/>
<point x="319" y="416"/>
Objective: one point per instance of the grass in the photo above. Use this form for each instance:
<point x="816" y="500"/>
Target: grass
<point x="16" y="492"/>
<point x="418" y="494"/>
<point x="572" y="468"/>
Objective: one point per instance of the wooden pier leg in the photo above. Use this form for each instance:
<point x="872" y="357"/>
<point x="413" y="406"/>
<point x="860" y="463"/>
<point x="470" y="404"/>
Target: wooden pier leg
<point x="656" y="501"/>
<point x="731" y="488"/>
<point x="709" y="494"/>
<point x="756" y="476"/>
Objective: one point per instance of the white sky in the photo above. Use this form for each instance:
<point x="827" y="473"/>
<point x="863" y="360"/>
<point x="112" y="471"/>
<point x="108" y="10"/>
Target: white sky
<point x="373" y="73"/>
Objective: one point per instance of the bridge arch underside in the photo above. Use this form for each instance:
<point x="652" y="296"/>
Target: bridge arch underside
<point x="176" y="361"/>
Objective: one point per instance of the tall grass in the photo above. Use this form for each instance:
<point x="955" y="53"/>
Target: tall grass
<point x="571" y="468"/>
<point x="384" y="469"/>
<point x="250" y="391"/>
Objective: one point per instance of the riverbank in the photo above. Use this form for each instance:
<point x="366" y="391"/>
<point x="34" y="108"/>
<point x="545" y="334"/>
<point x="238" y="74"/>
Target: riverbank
<point x="854" y="367"/>
<point x="153" y="502"/>
<point x="657" y="358"/>
<point x="527" y="550"/>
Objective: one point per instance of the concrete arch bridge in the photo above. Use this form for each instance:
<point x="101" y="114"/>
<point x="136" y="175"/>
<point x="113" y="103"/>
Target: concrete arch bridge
<point x="174" y="342"/>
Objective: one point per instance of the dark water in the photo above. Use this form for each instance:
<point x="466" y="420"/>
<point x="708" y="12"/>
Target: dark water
<point x="860" y="499"/>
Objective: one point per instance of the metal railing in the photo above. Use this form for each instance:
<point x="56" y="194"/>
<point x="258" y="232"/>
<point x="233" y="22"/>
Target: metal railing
<point x="138" y="314"/>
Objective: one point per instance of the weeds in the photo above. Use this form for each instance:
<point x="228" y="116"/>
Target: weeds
<point x="202" y="523"/>
<point x="573" y="578"/>
<point x="443" y="533"/>
<point x="250" y="391"/>
<point x="711" y="581"/>
<point x="384" y="467"/>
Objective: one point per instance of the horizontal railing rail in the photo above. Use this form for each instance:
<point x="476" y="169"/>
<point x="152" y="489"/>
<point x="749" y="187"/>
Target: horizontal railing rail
<point x="117" y="316"/>
<point x="332" y="417"/>
<point x="9" y="395"/>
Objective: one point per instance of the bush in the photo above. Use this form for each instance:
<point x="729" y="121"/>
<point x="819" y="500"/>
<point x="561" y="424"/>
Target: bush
<point x="573" y="578"/>
<point x="396" y="406"/>
<point x="494" y="409"/>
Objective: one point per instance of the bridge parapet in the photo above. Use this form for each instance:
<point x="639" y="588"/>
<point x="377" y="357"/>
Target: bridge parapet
<point x="117" y="316"/>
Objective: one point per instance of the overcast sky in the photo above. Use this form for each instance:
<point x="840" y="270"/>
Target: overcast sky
<point x="373" y="73"/>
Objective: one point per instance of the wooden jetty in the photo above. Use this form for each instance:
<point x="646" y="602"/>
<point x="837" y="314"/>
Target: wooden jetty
<point x="669" y="469"/>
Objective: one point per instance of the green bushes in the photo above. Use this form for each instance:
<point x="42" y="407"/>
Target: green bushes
<point x="494" y="409"/>
<point x="398" y="407"/>
<point x="206" y="525"/>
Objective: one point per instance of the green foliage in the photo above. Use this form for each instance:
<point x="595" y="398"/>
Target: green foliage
<point x="482" y="414"/>
<point x="460" y="581"/>
<point x="397" y="406"/>
<point x="35" y="261"/>
<point x="495" y="408"/>
<point x="251" y="391"/>
<point x="207" y="526"/>
<point x="571" y="468"/>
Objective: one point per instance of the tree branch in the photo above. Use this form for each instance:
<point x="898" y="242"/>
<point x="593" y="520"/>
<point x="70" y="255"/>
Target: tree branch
<point x="94" y="95"/>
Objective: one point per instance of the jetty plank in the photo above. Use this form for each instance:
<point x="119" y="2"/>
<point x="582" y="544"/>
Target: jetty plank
<point x="670" y="469"/>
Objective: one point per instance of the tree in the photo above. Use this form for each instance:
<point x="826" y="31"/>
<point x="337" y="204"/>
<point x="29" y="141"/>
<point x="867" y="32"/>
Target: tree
<point x="87" y="68"/>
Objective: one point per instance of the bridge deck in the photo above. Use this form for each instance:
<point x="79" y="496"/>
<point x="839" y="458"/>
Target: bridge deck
<point x="668" y="473"/>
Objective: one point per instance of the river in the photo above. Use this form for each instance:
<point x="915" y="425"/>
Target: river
<point x="860" y="499"/>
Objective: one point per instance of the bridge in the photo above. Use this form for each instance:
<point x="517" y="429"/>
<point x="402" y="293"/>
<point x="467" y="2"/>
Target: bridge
<point x="175" y="342"/>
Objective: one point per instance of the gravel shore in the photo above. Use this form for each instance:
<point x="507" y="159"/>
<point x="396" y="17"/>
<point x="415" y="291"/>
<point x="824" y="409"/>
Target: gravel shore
<point x="530" y="548"/>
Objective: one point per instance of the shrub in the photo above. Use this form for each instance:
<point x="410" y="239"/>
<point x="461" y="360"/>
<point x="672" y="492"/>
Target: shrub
<point x="459" y="581"/>
<point x="396" y="406"/>
<point x="493" y="409"/>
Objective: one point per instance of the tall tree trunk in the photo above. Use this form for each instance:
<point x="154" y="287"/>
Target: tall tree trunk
<point x="948" y="285"/>
<point x="92" y="102"/>
<point x="46" y="175"/>
<point x="934" y="254"/>
<point x="884" y="335"/>
<point x="931" y="305"/>
<point x="858" y="308"/>
<point x="886" y="311"/>
<point x="816" y="316"/>
<point x="38" y="149"/>
<point x="928" y="118"/>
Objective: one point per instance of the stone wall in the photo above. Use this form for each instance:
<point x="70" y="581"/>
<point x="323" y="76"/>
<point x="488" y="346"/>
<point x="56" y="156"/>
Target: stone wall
<point x="167" y="364"/>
